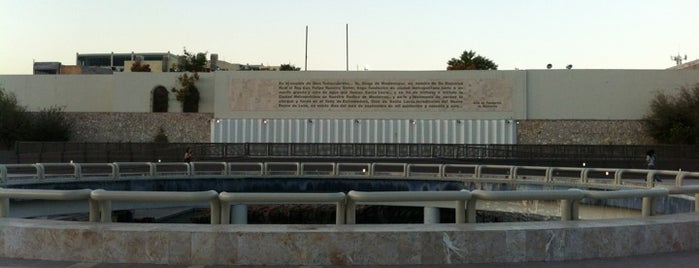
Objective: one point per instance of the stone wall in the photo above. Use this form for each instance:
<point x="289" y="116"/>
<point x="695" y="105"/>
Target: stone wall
<point x="346" y="245"/>
<point x="588" y="132"/>
<point x="140" y="127"/>
<point x="196" y="127"/>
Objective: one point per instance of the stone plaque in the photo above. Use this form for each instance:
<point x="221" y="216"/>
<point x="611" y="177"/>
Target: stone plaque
<point x="474" y="95"/>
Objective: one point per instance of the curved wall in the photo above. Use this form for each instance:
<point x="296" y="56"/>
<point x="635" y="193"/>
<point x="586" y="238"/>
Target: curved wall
<point x="390" y="244"/>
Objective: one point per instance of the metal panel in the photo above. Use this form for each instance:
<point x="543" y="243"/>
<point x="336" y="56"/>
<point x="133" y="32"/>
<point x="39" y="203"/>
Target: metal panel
<point x="422" y="131"/>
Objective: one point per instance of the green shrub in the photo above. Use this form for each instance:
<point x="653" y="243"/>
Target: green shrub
<point x="188" y="94"/>
<point x="161" y="137"/>
<point x="50" y="124"/>
<point x="17" y="124"/>
<point x="674" y="119"/>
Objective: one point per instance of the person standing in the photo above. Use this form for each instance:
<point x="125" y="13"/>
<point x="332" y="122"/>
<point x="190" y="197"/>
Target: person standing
<point x="650" y="163"/>
<point x="188" y="155"/>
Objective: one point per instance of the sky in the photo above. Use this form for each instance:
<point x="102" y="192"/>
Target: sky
<point x="383" y="34"/>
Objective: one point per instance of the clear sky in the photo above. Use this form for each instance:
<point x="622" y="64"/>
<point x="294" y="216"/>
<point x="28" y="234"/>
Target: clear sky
<point x="383" y="34"/>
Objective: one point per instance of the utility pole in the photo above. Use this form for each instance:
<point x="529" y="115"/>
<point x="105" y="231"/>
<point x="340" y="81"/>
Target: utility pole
<point x="305" y="63"/>
<point x="678" y="59"/>
<point x="347" y="46"/>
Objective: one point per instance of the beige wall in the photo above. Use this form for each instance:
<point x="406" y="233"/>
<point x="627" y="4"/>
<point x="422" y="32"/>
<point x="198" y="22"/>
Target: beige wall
<point x="599" y="94"/>
<point x="119" y="92"/>
<point x="537" y="94"/>
<point x="256" y="94"/>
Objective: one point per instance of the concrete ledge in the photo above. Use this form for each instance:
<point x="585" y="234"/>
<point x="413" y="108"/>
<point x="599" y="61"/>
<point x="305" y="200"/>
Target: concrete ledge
<point x="390" y="244"/>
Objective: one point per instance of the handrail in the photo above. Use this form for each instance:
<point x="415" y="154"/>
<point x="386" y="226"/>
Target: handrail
<point x="332" y="172"/>
<point x="100" y="200"/>
<point x="687" y="189"/>
<point x="360" y="169"/>
<point x="459" y="197"/>
<point x="227" y="199"/>
<point x="567" y="197"/>
<point x="63" y="195"/>
<point x="648" y="196"/>
<point x="106" y="197"/>
<point x="268" y="168"/>
<point x="193" y="171"/>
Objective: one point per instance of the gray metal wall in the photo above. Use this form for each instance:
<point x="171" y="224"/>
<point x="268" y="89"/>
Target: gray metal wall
<point x="364" y="131"/>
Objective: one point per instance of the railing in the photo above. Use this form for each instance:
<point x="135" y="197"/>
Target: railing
<point x="615" y="178"/>
<point x="639" y="179"/>
<point x="464" y="202"/>
<point x="622" y="156"/>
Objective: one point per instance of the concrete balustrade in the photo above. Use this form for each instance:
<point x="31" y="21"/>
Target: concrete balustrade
<point x="104" y="198"/>
<point x="60" y="195"/>
<point x="244" y="199"/>
<point x="360" y="197"/>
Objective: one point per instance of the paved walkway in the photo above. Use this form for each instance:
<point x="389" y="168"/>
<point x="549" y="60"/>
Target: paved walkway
<point x="687" y="259"/>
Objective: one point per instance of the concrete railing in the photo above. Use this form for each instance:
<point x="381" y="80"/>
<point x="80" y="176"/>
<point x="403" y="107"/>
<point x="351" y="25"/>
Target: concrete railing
<point x="457" y="197"/>
<point x="241" y="200"/>
<point x="105" y="199"/>
<point x="463" y="201"/>
<point x="17" y="173"/>
<point x="58" y="195"/>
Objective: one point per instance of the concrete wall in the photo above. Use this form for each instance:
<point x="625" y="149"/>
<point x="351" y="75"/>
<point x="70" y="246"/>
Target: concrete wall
<point x="599" y="94"/>
<point x="235" y="91"/>
<point x="346" y="245"/>
<point x="119" y="92"/>
<point x="567" y="106"/>
<point x="537" y="94"/>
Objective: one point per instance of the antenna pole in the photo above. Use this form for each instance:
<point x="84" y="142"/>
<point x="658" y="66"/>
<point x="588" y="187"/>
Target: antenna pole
<point x="678" y="58"/>
<point x="347" y="46"/>
<point x="305" y="63"/>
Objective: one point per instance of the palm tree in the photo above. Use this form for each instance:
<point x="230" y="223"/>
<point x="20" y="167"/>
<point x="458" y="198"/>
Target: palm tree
<point x="470" y="61"/>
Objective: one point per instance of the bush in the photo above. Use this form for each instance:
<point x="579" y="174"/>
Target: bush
<point x="161" y="137"/>
<point x="50" y="125"/>
<point x="16" y="124"/>
<point x="674" y="119"/>
<point x="14" y="119"/>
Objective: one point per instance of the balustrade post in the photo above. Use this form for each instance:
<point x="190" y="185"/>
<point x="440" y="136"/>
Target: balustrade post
<point x="471" y="210"/>
<point x="430" y="215"/>
<point x="225" y="212"/>
<point x="340" y="210"/>
<point x="566" y="209"/>
<point x="4" y="207"/>
<point x="215" y="210"/>
<point x="460" y="212"/>
<point x="94" y="210"/>
<point x="648" y="204"/>
<point x="351" y="215"/>
<point x="240" y="214"/>
<point x="105" y="211"/>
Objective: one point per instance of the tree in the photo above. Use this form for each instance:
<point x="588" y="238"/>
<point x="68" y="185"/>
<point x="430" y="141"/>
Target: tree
<point x="138" y="66"/>
<point x="192" y="62"/>
<point x="50" y="125"/>
<point x="470" y="61"/>
<point x="289" y="67"/>
<point x="674" y="119"/>
<point x="17" y="124"/>
<point x="188" y="94"/>
<point x="14" y="119"/>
